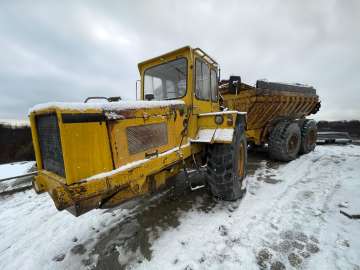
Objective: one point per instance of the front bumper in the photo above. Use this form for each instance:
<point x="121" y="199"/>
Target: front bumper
<point x="109" y="189"/>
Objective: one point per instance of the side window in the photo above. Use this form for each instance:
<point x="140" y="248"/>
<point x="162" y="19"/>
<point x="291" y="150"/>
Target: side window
<point x="202" y="85"/>
<point x="213" y="84"/>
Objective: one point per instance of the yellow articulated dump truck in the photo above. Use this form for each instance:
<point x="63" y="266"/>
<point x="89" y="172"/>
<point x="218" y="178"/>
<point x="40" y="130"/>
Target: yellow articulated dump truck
<point x="100" y="154"/>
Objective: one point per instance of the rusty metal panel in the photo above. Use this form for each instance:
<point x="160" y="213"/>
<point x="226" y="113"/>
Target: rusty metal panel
<point x="142" y="138"/>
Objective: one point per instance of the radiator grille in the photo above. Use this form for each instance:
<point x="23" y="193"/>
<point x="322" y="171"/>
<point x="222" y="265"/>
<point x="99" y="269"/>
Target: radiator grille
<point x="142" y="138"/>
<point x="50" y="144"/>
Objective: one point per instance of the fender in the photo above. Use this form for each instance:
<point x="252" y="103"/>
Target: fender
<point x="218" y="127"/>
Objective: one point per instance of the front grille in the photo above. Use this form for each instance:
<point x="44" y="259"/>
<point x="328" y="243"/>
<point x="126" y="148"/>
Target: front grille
<point x="50" y="144"/>
<point x="142" y="138"/>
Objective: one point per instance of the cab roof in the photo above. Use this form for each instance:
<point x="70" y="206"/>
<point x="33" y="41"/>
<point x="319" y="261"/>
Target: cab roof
<point x="197" y="51"/>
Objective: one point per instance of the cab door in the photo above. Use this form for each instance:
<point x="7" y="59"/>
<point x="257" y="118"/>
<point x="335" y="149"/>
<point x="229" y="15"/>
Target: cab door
<point x="205" y="84"/>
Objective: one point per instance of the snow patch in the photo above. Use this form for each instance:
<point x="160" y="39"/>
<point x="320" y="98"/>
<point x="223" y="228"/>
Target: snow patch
<point x="105" y="106"/>
<point x="214" y="135"/>
<point x="15" y="169"/>
<point x="134" y="164"/>
<point x="15" y="122"/>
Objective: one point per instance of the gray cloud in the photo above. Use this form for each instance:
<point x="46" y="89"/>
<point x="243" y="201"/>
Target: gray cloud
<point x="66" y="51"/>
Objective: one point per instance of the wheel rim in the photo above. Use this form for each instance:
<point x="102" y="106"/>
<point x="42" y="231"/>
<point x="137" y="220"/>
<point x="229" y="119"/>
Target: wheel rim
<point x="293" y="142"/>
<point x="241" y="166"/>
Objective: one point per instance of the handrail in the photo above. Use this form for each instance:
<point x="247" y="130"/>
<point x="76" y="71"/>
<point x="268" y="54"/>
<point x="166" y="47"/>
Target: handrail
<point x="90" y="98"/>
<point x="210" y="59"/>
<point x="109" y="99"/>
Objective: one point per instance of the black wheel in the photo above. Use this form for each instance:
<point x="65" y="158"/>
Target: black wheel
<point x="284" y="141"/>
<point x="308" y="136"/>
<point x="226" y="167"/>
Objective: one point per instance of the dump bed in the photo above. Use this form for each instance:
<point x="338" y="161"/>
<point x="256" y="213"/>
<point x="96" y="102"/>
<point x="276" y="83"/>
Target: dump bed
<point x="269" y="102"/>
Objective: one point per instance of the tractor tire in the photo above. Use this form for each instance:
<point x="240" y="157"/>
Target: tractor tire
<point x="308" y="136"/>
<point x="226" y="167"/>
<point x="284" y="141"/>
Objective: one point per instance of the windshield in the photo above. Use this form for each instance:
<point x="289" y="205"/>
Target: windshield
<point x="166" y="81"/>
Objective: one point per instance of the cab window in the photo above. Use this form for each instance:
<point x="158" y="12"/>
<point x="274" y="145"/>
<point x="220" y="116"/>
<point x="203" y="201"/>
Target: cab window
<point x="166" y="81"/>
<point x="202" y="84"/>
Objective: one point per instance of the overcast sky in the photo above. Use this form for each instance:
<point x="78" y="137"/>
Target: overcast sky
<point x="68" y="50"/>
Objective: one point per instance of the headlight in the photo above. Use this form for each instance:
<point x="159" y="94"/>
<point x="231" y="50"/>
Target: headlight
<point x="219" y="119"/>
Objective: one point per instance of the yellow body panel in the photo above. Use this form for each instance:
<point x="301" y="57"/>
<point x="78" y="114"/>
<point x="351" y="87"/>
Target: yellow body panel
<point x="85" y="147"/>
<point x="208" y="120"/>
<point x="86" y="150"/>
<point x="118" y="136"/>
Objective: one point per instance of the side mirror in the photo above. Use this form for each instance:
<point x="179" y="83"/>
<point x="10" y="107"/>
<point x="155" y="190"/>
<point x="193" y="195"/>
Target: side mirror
<point x="149" y="97"/>
<point x="234" y="84"/>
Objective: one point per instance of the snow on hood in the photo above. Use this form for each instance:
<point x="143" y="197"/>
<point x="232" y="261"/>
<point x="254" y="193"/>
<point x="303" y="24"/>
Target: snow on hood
<point x="119" y="105"/>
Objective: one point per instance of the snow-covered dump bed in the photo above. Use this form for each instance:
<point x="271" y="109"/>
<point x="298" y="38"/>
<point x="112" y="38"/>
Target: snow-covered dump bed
<point x="282" y="86"/>
<point x="105" y="106"/>
<point x="269" y="102"/>
<point x="290" y="217"/>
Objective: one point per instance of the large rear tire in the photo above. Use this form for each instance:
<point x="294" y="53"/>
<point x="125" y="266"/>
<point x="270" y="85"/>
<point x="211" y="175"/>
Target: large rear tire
<point x="284" y="141"/>
<point x="308" y="136"/>
<point x="226" y="167"/>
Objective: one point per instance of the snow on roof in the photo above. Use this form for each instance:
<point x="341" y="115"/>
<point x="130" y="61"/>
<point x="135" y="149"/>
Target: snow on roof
<point x="119" y="105"/>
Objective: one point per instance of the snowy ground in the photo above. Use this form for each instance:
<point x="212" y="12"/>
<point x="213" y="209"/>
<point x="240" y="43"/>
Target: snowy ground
<point x="289" y="219"/>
